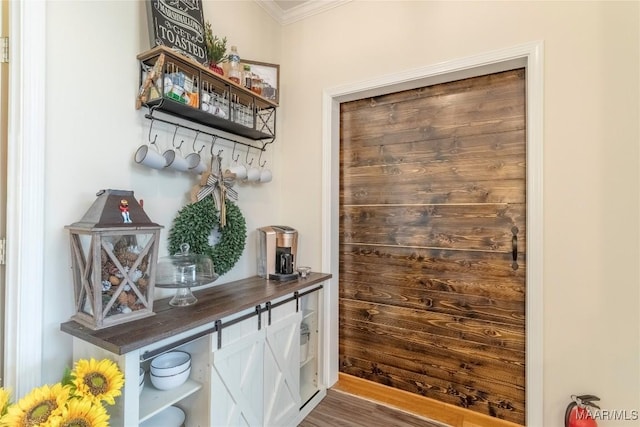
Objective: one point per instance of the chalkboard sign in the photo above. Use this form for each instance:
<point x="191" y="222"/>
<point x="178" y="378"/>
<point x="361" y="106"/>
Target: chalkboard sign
<point x="178" y="24"/>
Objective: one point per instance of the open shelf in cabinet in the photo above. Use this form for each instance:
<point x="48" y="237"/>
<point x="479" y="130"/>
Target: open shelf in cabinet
<point x="213" y="100"/>
<point x="153" y="400"/>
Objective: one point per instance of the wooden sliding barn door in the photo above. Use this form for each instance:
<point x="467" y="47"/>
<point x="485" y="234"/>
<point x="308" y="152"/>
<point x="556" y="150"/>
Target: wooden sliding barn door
<point x="432" y="242"/>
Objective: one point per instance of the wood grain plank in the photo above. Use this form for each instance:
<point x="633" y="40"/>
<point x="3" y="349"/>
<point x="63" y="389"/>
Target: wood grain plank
<point x="496" y="145"/>
<point x="461" y="111"/>
<point x="469" y="353"/>
<point x="504" y="372"/>
<point x="497" y="289"/>
<point x="453" y="416"/>
<point x="489" y="334"/>
<point x="433" y="262"/>
<point x="490" y="85"/>
<point x="475" y="307"/>
<point x="477" y="227"/>
<point x="431" y="379"/>
<point x="463" y="396"/>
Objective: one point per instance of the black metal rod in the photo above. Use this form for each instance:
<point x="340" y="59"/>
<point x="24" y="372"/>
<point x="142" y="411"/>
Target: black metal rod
<point x="178" y="125"/>
<point x="219" y="326"/>
<point x="148" y="355"/>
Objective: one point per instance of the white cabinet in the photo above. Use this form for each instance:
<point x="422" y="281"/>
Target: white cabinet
<point x="246" y="362"/>
<point x="255" y="374"/>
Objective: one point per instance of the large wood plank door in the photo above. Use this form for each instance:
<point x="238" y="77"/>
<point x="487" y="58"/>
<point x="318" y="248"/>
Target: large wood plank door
<point x="432" y="215"/>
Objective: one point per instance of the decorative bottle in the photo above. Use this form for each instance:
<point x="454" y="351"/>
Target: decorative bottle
<point x="235" y="73"/>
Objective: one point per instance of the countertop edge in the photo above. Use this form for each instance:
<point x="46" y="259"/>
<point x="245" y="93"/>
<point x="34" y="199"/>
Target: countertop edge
<point x="214" y="303"/>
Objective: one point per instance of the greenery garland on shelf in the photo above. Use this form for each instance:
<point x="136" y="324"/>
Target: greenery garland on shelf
<point x="194" y="224"/>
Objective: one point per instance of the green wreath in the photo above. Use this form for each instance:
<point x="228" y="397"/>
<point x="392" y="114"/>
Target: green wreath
<point x="195" y="222"/>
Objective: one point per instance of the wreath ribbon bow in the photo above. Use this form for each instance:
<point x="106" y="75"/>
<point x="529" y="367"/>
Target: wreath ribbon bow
<point x="218" y="184"/>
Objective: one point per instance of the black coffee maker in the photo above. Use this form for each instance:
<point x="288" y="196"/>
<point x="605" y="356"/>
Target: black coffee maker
<point x="277" y="251"/>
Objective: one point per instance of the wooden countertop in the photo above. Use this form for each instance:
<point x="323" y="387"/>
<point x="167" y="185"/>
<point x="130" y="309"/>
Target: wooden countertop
<point x="213" y="304"/>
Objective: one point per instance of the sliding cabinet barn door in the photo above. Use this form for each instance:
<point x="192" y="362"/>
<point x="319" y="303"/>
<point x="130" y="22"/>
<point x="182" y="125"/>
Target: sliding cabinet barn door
<point x="432" y="242"/>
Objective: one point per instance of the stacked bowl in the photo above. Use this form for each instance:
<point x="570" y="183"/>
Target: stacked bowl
<point x="170" y="370"/>
<point x="141" y="380"/>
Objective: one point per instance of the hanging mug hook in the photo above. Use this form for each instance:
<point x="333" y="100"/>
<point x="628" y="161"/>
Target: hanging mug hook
<point x="213" y="143"/>
<point x="246" y="158"/>
<point x="150" y="127"/>
<point x="173" y="142"/>
<point x="235" y="159"/>
<point x="194" y="143"/>
<point x="263" y="163"/>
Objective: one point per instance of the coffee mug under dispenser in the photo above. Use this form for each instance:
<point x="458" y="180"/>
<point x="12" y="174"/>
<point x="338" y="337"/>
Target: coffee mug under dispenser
<point x="277" y="252"/>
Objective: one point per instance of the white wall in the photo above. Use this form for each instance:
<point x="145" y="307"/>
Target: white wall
<point x="591" y="103"/>
<point x="93" y="130"/>
<point x="591" y="157"/>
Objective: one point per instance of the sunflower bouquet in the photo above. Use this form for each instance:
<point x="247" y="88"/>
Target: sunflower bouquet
<point x="76" y="401"/>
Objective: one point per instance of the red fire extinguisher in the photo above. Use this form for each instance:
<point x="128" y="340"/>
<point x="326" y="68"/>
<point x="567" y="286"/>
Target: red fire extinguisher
<point x="578" y="413"/>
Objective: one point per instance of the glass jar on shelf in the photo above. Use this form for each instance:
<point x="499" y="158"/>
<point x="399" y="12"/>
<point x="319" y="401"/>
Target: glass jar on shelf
<point x="256" y="85"/>
<point x="247" y="77"/>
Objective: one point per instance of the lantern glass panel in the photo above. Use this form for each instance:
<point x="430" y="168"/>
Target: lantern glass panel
<point x="125" y="273"/>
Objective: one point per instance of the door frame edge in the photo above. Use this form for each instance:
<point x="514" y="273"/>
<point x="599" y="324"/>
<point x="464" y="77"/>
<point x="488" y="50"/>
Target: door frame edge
<point x="24" y="274"/>
<point x="530" y="55"/>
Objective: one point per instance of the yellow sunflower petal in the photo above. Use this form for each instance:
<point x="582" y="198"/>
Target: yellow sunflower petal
<point x="40" y="406"/>
<point x="98" y="380"/>
<point x="82" y="412"/>
<point x="5" y="400"/>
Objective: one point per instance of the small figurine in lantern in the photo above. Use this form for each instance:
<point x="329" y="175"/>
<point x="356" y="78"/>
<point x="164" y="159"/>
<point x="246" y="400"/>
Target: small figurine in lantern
<point x="124" y="209"/>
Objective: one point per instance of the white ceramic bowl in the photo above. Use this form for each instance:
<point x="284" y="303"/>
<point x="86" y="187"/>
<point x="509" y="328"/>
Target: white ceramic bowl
<point x="171" y="416"/>
<point x="170" y="363"/>
<point x="170" y="381"/>
<point x="141" y="380"/>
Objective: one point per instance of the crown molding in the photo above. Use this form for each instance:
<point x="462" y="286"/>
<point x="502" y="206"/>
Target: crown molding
<point x="297" y="13"/>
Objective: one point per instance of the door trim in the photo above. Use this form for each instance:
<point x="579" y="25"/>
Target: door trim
<point x="530" y="56"/>
<point x="25" y="198"/>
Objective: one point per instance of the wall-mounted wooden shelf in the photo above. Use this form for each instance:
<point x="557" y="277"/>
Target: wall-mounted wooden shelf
<point x="237" y="110"/>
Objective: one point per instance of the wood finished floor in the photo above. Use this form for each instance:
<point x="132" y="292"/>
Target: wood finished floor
<point x="339" y="409"/>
